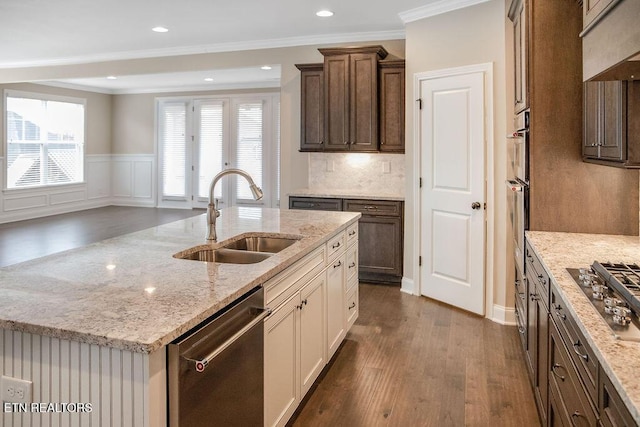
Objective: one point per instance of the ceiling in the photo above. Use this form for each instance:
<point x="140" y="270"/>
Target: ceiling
<point x="39" y="33"/>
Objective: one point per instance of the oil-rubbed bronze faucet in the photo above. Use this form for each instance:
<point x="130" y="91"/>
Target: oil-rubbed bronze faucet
<point x="212" y="210"/>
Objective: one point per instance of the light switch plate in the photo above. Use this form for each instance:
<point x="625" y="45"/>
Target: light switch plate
<point x="14" y="390"/>
<point x="386" y="167"/>
<point x="330" y="166"/>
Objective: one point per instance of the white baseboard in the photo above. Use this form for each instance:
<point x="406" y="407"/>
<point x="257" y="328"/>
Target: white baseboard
<point x="408" y="286"/>
<point x="503" y="315"/>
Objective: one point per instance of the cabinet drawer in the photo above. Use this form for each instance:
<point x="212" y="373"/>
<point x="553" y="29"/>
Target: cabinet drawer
<point x="336" y="245"/>
<point x="613" y="412"/>
<point x="352" y="233"/>
<point x="282" y="286"/>
<point x="536" y="275"/>
<point x="579" y="350"/>
<point x="373" y="207"/>
<point x="352" y="306"/>
<point x="352" y="263"/>
<point x="564" y="383"/>
<point x="318" y="204"/>
<point x="521" y="322"/>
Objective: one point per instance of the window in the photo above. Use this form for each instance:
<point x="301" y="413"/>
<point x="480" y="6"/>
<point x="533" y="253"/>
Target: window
<point x="199" y="137"/>
<point x="44" y="140"/>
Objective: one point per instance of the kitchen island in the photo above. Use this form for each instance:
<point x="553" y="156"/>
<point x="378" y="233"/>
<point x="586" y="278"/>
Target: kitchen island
<point x="90" y="325"/>
<point x="618" y="360"/>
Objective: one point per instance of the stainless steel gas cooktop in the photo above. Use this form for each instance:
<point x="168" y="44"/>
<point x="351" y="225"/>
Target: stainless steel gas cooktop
<point x="614" y="291"/>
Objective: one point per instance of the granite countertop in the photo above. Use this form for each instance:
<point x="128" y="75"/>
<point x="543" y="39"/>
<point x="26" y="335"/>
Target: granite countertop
<point x="559" y="251"/>
<point x="347" y="194"/>
<point x="130" y="293"/>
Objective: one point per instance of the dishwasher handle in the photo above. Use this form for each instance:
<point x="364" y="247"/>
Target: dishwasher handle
<point x="202" y="364"/>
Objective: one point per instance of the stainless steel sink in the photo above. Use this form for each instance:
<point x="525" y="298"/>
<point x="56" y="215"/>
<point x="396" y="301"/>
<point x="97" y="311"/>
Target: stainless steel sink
<point x="261" y="244"/>
<point x="244" y="250"/>
<point x="230" y="256"/>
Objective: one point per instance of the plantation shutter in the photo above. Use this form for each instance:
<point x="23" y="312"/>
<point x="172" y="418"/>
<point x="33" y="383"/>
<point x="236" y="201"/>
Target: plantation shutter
<point x="174" y="148"/>
<point x="249" y="145"/>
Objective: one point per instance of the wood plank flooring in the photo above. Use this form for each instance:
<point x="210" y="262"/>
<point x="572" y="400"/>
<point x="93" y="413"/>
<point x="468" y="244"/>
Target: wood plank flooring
<point x="24" y="240"/>
<point x="411" y="361"/>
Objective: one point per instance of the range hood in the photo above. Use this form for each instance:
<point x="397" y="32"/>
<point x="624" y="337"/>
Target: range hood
<point x="611" y="45"/>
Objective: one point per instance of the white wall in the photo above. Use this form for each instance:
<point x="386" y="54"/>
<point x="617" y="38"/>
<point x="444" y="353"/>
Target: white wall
<point x="473" y="35"/>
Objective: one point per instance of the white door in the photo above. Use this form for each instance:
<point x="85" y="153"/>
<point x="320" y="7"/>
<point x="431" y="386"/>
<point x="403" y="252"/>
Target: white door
<point x="452" y="137"/>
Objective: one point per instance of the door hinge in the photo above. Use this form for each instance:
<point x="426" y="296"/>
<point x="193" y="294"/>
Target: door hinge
<point x="420" y="261"/>
<point x="192" y="138"/>
<point x="191" y="197"/>
<point x="420" y="182"/>
<point x="485" y="206"/>
<point x="192" y="168"/>
<point x="419" y="101"/>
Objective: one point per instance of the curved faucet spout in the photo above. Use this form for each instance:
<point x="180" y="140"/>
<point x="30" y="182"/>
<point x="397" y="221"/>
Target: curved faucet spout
<point x="212" y="210"/>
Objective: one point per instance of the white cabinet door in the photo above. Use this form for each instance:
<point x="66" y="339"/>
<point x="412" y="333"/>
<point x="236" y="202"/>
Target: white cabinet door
<point x="312" y="336"/>
<point x="336" y="322"/>
<point x="281" y="345"/>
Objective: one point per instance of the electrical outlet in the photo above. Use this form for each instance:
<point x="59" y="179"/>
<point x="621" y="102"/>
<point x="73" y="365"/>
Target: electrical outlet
<point x="15" y="390"/>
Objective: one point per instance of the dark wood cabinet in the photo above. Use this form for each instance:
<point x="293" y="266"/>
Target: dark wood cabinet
<point x="613" y="412"/>
<point x="392" y="100"/>
<point x="537" y="350"/>
<point x="611" y="123"/>
<point x="312" y="106"/>
<point x="351" y="98"/>
<point x="605" y="121"/>
<point x="315" y="203"/>
<point x="352" y="102"/>
<point x="519" y="16"/>
<point x="380" y="238"/>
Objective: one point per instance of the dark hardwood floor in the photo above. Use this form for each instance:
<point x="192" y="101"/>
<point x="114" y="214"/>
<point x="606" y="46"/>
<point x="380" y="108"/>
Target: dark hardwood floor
<point x="411" y="361"/>
<point x="408" y="361"/>
<point x="24" y="240"/>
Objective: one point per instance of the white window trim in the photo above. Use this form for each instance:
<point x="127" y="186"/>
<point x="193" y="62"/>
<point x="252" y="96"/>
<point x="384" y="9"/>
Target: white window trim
<point x="11" y="93"/>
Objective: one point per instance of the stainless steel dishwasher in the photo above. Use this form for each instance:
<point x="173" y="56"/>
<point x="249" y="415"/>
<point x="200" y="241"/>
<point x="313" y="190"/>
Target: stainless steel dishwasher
<point x="216" y="373"/>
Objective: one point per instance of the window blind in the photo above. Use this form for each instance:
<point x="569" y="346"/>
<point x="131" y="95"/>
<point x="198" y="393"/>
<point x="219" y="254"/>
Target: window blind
<point x="174" y="148"/>
<point x="211" y="146"/>
<point x="45" y="141"/>
<point x="249" y="148"/>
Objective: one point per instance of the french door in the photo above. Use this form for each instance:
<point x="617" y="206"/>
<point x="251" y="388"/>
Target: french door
<point x="199" y="137"/>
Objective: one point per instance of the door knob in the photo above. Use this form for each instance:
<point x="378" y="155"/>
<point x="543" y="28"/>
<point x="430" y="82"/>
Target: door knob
<point x="475" y="205"/>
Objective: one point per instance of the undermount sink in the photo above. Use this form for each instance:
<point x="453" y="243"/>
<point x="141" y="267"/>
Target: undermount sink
<point x="244" y="250"/>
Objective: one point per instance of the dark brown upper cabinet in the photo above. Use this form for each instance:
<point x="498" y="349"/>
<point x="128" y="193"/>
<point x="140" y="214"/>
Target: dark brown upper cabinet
<point x="392" y="106"/>
<point x="611" y="126"/>
<point x="519" y="15"/>
<point x="352" y="102"/>
<point x="312" y="108"/>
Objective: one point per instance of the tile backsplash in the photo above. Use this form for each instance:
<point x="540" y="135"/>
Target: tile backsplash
<point x="357" y="172"/>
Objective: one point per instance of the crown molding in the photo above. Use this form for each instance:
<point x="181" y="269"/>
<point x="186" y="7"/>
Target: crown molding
<point x="434" y="8"/>
<point x="168" y="89"/>
<point x="213" y="48"/>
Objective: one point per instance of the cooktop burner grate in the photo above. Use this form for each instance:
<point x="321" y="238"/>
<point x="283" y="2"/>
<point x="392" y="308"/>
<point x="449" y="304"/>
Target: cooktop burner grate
<point x="624" y="279"/>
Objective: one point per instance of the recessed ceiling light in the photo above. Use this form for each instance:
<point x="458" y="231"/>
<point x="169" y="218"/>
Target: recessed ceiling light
<point x="112" y="78"/>
<point x="208" y="79"/>
<point x="324" y="13"/>
<point x="265" y="67"/>
<point x="160" y="29"/>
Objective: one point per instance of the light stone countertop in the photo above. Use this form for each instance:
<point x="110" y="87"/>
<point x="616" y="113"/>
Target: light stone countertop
<point x="150" y="298"/>
<point x="347" y="194"/>
<point x="559" y="251"/>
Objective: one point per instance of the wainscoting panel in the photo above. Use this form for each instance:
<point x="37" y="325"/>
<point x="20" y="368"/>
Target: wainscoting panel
<point x="132" y="180"/>
<point x="98" y="174"/>
<point x="116" y="383"/>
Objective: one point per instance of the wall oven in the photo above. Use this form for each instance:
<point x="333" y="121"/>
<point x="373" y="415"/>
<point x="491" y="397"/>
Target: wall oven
<point x="518" y="186"/>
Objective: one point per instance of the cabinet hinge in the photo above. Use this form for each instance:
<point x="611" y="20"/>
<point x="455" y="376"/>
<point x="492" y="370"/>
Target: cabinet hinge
<point x="420" y="261"/>
<point x="419" y="101"/>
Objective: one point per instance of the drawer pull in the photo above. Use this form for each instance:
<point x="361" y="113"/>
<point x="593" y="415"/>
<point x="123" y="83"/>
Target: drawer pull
<point x="541" y="279"/>
<point x="534" y="297"/>
<point x="560" y="315"/>
<point x="337" y="265"/>
<point x="335" y="245"/>
<point x="553" y="371"/>
<point x="575" y="416"/>
<point x="353" y="264"/>
<point x="576" y="345"/>
<point x="352" y="233"/>
<point x="353" y="305"/>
